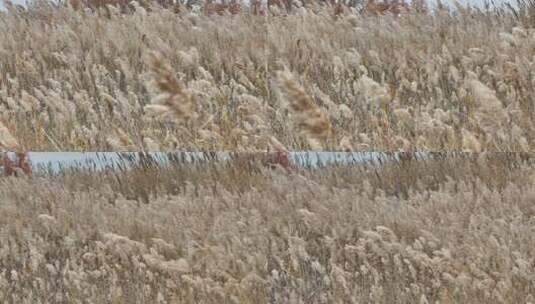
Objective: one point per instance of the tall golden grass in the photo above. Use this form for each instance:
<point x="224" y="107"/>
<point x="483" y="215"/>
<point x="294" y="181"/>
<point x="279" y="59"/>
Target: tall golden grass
<point x="139" y="76"/>
<point x="456" y="230"/>
<point x="420" y="80"/>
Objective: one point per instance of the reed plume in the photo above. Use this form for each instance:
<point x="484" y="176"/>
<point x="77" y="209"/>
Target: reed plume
<point x="174" y="99"/>
<point x="310" y="120"/>
<point x="7" y="140"/>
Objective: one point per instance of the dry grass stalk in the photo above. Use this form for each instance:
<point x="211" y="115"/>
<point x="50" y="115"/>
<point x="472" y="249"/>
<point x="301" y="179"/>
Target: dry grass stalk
<point x="174" y="99"/>
<point x="119" y="140"/>
<point x="379" y="8"/>
<point x="311" y="121"/>
<point x="7" y="140"/>
<point x="220" y="8"/>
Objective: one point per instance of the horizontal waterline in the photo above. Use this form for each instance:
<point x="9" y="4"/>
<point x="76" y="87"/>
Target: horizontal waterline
<point x="58" y="161"/>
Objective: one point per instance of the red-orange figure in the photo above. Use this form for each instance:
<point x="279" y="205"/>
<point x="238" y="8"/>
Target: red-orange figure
<point x="270" y="160"/>
<point x="280" y="158"/>
<point x="18" y="165"/>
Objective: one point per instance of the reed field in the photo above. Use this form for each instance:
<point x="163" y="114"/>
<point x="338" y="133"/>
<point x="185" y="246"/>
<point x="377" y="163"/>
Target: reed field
<point x="112" y="75"/>
<point x="436" y="231"/>
<point x="316" y="76"/>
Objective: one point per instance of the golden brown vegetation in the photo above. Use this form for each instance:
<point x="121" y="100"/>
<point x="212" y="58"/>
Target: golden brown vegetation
<point x="457" y="230"/>
<point x="445" y="80"/>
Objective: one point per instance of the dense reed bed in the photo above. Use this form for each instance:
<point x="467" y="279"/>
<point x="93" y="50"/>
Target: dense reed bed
<point x="316" y="77"/>
<point x="436" y="231"/>
<point x="138" y="77"/>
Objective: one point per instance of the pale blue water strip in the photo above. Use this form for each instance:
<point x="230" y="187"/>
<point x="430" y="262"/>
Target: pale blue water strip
<point x="56" y="161"/>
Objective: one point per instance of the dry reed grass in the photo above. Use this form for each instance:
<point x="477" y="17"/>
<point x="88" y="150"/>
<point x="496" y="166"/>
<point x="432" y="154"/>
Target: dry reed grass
<point x="311" y="121"/>
<point x="437" y="80"/>
<point x="444" y="230"/>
